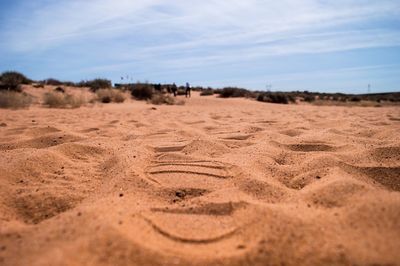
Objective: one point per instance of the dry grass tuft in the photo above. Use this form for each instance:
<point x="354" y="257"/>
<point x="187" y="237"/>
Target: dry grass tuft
<point x="159" y="98"/>
<point x="61" y="100"/>
<point x="110" y="95"/>
<point x="275" y="97"/>
<point x="14" y="100"/>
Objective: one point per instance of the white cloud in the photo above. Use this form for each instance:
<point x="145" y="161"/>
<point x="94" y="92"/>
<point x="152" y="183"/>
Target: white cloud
<point x="180" y="35"/>
<point x="196" y="22"/>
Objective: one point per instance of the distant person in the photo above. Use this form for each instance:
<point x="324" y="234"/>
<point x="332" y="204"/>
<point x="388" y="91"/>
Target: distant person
<point x="174" y="89"/>
<point x="187" y="91"/>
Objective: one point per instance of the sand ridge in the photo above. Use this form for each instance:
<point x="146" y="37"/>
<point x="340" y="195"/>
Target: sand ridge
<point x="215" y="181"/>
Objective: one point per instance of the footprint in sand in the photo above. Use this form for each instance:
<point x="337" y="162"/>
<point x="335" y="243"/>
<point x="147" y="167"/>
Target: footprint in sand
<point x="196" y="221"/>
<point x="176" y="173"/>
<point x="202" y="224"/>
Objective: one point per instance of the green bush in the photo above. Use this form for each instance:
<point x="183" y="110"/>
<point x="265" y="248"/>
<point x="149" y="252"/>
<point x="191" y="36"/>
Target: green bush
<point x="69" y="84"/>
<point x="53" y="82"/>
<point x="291" y="98"/>
<point x="274" y="98"/>
<point x="11" y="80"/>
<point x="309" y="98"/>
<point x="95" y="84"/>
<point x="229" y="92"/>
<point x="355" y="99"/>
<point x="142" y="91"/>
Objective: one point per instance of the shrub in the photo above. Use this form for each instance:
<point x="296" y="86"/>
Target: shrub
<point x="309" y="98"/>
<point x="181" y="92"/>
<point x="355" y="99"/>
<point x="59" y="89"/>
<point x="53" y="82"/>
<point x="274" y="98"/>
<point x="261" y="97"/>
<point x="198" y="88"/>
<point x="142" y="91"/>
<point x="159" y="98"/>
<point x="96" y="84"/>
<point x="279" y="98"/>
<point x="233" y="92"/>
<point x="81" y="83"/>
<point x="61" y="100"/>
<point x="11" y="80"/>
<point x="69" y="84"/>
<point x="38" y="85"/>
<point x="14" y="100"/>
<point x="291" y="98"/>
<point x="119" y="97"/>
<point x="54" y="99"/>
<point x="75" y="101"/>
<point x="110" y="95"/>
<point x="207" y="92"/>
<point x="218" y="91"/>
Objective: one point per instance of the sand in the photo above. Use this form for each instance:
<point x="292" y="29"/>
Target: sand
<point x="212" y="182"/>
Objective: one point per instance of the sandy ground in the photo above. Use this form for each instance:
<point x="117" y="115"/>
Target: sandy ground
<point x="213" y="182"/>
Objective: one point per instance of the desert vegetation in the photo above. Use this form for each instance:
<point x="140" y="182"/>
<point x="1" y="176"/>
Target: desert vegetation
<point x="316" y="98"/>
<point x="275" y="98"/>
<point x="234" y="92"/>
<point x="161" y="98"/>
<point x="110" y="95"/>
<point x="59" y="89"/>
<point x="142" y="91"/>
<point x="14" y="99"/>
<point x="12" y="80"/>
<point x="207" y="92"/>
<point x="53" y="82"/>
<point x="57" y="99"/>
<point x="152" y="93"/>
<point x="96" y="84"/>
<point x="158" y="93"/>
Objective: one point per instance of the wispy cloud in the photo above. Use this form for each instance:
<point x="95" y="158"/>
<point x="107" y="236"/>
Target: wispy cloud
<point x="192" y="23"/>
<point x="186" y="36"/>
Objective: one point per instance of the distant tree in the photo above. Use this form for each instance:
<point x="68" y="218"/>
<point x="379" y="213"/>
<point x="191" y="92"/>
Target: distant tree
<point x="53" y="82"/>
<point x="96" y="84"/>
<point x="12" y="80"/>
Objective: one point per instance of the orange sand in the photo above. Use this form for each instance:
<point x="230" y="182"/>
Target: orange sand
<point x="213" y="182"/>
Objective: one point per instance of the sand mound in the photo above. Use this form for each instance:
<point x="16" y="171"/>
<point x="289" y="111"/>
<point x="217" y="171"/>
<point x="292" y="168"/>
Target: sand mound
<point x="41" y="142"/>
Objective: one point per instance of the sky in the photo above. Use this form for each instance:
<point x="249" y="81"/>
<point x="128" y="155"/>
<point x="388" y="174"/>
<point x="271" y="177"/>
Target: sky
<point x="316" y="45"/>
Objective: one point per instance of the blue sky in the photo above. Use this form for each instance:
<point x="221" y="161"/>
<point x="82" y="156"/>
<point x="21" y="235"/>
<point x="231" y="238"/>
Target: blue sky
<point x="317" y="45"/>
